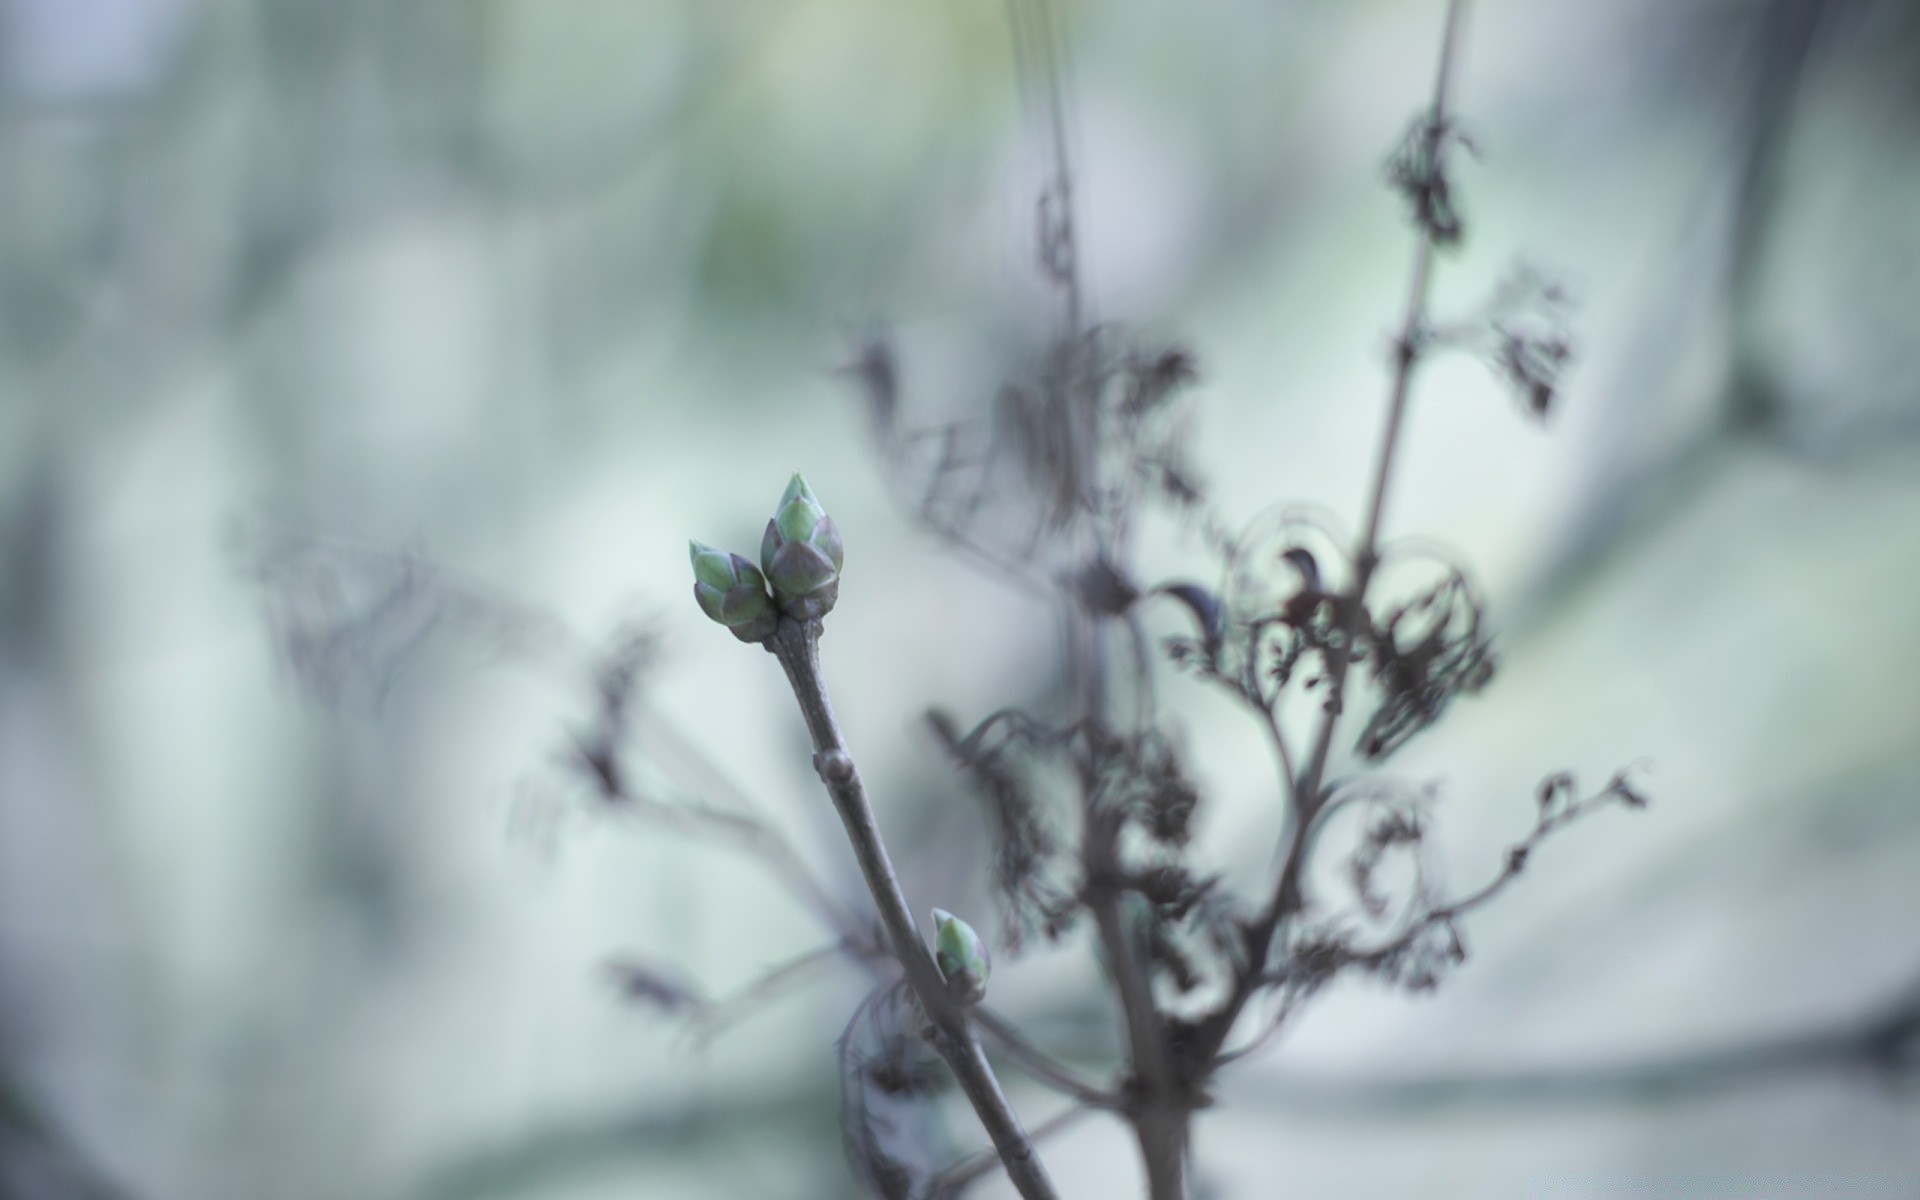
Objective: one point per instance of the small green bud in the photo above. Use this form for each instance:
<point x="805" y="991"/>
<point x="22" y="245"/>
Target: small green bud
<point x="730" y="590"/>
<point x="801" y="554"/>
<point x="961" y="956"/>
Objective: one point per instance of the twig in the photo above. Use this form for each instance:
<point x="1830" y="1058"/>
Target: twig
<point x="1366" y="557"/>
<point x="1155" y="1108"/>
<point x="1038" y="1063"/>
<point x="1307" y="791"/>
<point x="722" y="1013"/>
<point x="1884" y="1042"/>
<point x="1158" y="1113"/>
<point x="1279" y="738"/>
<point x="964" y="1174"/>
<point x="747" y="833"/>
<point x="796" y="645"/>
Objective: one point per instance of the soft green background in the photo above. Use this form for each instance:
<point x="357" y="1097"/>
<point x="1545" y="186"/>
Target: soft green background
<point x="539" y="288"/>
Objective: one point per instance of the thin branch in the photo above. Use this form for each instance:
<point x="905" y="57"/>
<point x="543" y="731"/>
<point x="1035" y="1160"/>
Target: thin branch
<point x="969" y="1171"/>
<point x="1552" y="816"/>
<point x="1884" y="1043"/>
<point x="1038" y="1063"/>
<point x="1366" y="556"/>
<point x="1041" y="67"/>
<point x="719" y="1014"/>
<point x="749" y="834"/>
<point x="1159" y="1115"/>
<point x="1289" y="1004"/>
<point x="1278" y="736"/>
<point x="1038" y="65"/>
<point x="797" y="647"/>
<point x="1307" y="792"/>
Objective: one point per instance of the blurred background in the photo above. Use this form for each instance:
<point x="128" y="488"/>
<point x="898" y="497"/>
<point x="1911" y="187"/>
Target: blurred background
<point x="366" y="364"/>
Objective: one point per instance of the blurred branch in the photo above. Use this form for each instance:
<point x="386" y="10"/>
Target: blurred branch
<point x="1306" y="792"/>
<point x="37" y="1159"/>
<point x="748" y="834"/>
<point x="662" y="988"/>
<point x="969" y="1171"/>
<point x="804" y="1118"/>
<point x="1785" y="36"/>
<point x="1884" y="1044"/>
<point x="1038" y="1063"/>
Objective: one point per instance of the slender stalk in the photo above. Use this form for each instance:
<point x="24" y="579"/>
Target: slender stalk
<point x="1039" y="1063"/>
<point x="1308" y="785"/>
<point x="963" y="1175"/>
<point x="796" y="644"/>
<point x="1366" y="557"/>
<point x="1156" y="1108"/>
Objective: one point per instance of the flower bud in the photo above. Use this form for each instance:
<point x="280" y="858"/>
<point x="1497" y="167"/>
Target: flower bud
<point x="729" y="589"/>
<point x="961" y="957"/>
<point x="801" y="554"/>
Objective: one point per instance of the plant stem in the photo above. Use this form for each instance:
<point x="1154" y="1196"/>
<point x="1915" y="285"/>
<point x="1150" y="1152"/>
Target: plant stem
<point x="1153" y="1104"/>
<point x="796" y="644"/>
<point x="1366" y="556"/>
<point x="1156" y="1106"/>
<point x="1161" y="1130"/>
<point x="1307" y="789"/>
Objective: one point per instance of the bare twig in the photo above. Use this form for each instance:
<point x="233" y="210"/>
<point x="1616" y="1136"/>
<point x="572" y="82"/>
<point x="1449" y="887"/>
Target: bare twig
<point x="1307" y="790"/>
<point x="1038" y="1063"/>
<point x="796" y="644"/>
<point x="1884" y="1044"/>
<point x="749" y="834"/>
<point x="964" y="1174"/>
<point x="1158" y="1105"/>
<point x="717" y="1016"/>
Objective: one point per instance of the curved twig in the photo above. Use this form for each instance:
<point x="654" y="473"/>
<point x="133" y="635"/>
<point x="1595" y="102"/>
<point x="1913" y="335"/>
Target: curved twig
<point x="1038" y="1063"/>
<point x="1307" y="791"/>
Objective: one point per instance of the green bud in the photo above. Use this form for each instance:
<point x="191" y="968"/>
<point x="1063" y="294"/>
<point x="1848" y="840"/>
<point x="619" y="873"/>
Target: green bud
<point x="797" y="519"/>
<point x="712" y="566"/>
<point x="961" y="956"/>
<point x="730" y="590"/>
<point x="801" y="554"/>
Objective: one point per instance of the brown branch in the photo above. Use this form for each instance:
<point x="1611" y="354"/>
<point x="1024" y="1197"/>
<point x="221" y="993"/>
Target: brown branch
<point x="1278" y="736"/>
<point x="1550" y="819"/>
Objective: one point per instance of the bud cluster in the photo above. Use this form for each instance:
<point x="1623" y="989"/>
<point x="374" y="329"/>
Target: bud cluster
<point x="732" y="591"/>
<point x="798" y="575"/>
<point x="801" y="554"/>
